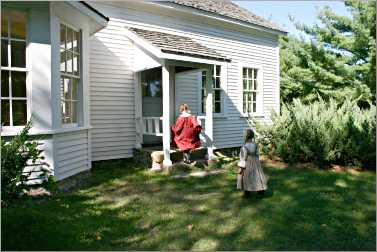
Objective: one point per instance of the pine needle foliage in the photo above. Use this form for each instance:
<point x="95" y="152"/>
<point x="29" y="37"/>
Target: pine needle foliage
<point x="339" y="59"/>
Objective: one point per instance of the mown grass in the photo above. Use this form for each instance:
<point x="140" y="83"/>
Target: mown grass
<point x="126" y="208"/>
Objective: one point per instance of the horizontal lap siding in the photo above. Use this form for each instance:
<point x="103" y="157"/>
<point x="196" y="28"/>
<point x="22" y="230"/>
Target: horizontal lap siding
<point x="186" y="90"/>
<point x="258" y="49"/>
<point x="112" y="94"/>
<point x="72" y="153"/>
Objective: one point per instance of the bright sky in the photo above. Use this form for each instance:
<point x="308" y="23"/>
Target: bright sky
<point x="303" y="11"/>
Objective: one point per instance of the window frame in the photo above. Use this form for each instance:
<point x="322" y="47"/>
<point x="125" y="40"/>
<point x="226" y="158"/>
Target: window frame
<point x="9" y="69"/>
<point x="223" y="88"/>
<point x="259" y="98"/>
<point x="79" y="101"/>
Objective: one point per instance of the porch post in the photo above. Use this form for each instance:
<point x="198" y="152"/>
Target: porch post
<point x="209" y="113"/>
<point x="138" y="112"/>
<point x="166" y="114"/>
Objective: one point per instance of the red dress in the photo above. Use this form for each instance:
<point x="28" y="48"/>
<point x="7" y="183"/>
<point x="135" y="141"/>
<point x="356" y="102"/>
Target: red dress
<point x="185" y="133"/>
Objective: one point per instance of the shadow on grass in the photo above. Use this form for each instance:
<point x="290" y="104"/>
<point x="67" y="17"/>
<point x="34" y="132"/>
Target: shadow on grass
<point x="125" y="208"/>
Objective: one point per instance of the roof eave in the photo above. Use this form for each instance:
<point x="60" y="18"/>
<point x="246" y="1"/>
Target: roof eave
<point x="100" y="20"/>
<point x="194" y="11"/>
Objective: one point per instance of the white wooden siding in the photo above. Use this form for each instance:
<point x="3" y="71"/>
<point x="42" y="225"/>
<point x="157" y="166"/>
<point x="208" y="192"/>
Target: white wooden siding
<point x="241" y="47"/>
<point x="112" y="114"/>
<point x="71" y="153"/>
<point x="186" y="90"/>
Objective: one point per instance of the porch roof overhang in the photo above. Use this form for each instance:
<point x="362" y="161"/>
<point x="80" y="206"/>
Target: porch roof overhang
<point x="170" y="47"/>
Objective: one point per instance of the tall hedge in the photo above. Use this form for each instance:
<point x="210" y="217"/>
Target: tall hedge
<point x="322" y="132"/>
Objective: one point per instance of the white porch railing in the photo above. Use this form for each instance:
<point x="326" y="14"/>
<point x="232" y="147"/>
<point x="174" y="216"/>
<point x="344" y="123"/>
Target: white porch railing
<point x="152" y="126"/>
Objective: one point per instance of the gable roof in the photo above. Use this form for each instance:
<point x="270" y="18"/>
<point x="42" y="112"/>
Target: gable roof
<point x="174" y="44"/>
<point x="227" y="9"/>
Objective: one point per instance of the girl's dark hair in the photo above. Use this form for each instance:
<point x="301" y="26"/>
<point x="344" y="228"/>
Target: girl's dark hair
<point x="249" y="134"/>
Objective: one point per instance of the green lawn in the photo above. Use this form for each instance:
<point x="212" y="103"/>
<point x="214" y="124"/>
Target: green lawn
<point x="125" y="208"/>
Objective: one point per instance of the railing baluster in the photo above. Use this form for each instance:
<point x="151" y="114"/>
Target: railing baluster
<point x="150" y="126"/>
<point x="157" y="125"/>
<point x="145" y="126"/>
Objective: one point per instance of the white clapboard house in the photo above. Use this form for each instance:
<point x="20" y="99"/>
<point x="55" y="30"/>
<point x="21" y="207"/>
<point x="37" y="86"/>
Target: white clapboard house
<point x="99" y="79"/>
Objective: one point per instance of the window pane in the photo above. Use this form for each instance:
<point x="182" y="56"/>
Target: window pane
<point x="69" y="39"/>
<point x="217" y="108"/>
<point x="76" y="42"/>
<point x="155" y="88"/>
<point x="74" y="88"/>
<point x="217" y="82"/>
<point x="62" y="37"/>
<point x="74" y="112"/>
<point x="244" y="103"/>
<point x="244" y="73"/>
<point x="62" y="61"/>
<point x="249" y="84"/>
<point x="255" y="73"/>
<point x="4" y="84"/>
<point x="66" y="111"/>
<point x="4" y="52"/>
<point x="76" y="65"/>
<point x="69" y="61"/>
<point x="18" y="51"/>
<point x="217" y="95"/>
<point x="254" y="107"/>
<point x="5" y="119"/>
<point x="18" y="25"/>
<point x="244" y="84"/>
<point x="249" y="72"/>
<point x="19" y="112"/>
<point x="255" y="85"/>
<point x="66" y="89"/>
<point x="4" y="25"/>
<point x="254" y="97"/>
<point x="218" y="71"/>
<point x="18" y="84"/>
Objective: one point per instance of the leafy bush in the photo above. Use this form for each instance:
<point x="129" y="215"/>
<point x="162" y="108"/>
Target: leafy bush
<point x="14" y="157"/>
<point x="322" y="132"/>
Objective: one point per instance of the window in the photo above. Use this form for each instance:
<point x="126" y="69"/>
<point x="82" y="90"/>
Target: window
<point x="70" y="60"/>
<point x="151" y="82"/>
<point x="13" y="68"/>
<point x="250" y="89"/>
<point x="216" y="89"/>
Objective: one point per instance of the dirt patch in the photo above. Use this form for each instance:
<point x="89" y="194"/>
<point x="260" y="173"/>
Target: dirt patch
<point x="278" y="163"/>
<point x="272" y="162"/>
<point x="349" y="169"/>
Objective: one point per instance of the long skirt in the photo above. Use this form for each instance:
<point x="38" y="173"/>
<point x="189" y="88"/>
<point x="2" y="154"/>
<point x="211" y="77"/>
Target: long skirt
<point x="252" y="178"/>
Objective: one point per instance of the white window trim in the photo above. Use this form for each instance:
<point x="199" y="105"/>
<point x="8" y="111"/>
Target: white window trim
<point x="27" y="69"/>
<point x="80" y="99"/>
<point x="223" y="86"/>
<point x="260" y="101"/>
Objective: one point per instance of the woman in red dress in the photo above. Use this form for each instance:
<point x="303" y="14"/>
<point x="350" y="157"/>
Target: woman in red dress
<point x="185" y="132"/>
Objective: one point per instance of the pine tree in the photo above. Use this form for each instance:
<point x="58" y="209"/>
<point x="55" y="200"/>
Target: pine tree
<point x="338" y="62"/>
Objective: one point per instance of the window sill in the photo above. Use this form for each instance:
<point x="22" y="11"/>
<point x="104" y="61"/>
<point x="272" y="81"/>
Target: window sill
<point x="13" y="131"/>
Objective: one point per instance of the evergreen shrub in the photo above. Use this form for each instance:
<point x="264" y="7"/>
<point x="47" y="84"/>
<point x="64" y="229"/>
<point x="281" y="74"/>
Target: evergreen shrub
<point x="322" y="132"/>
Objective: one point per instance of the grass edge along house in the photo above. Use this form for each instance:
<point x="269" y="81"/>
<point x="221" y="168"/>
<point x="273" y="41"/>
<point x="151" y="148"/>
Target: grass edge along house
<point x="101" y="79"/>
